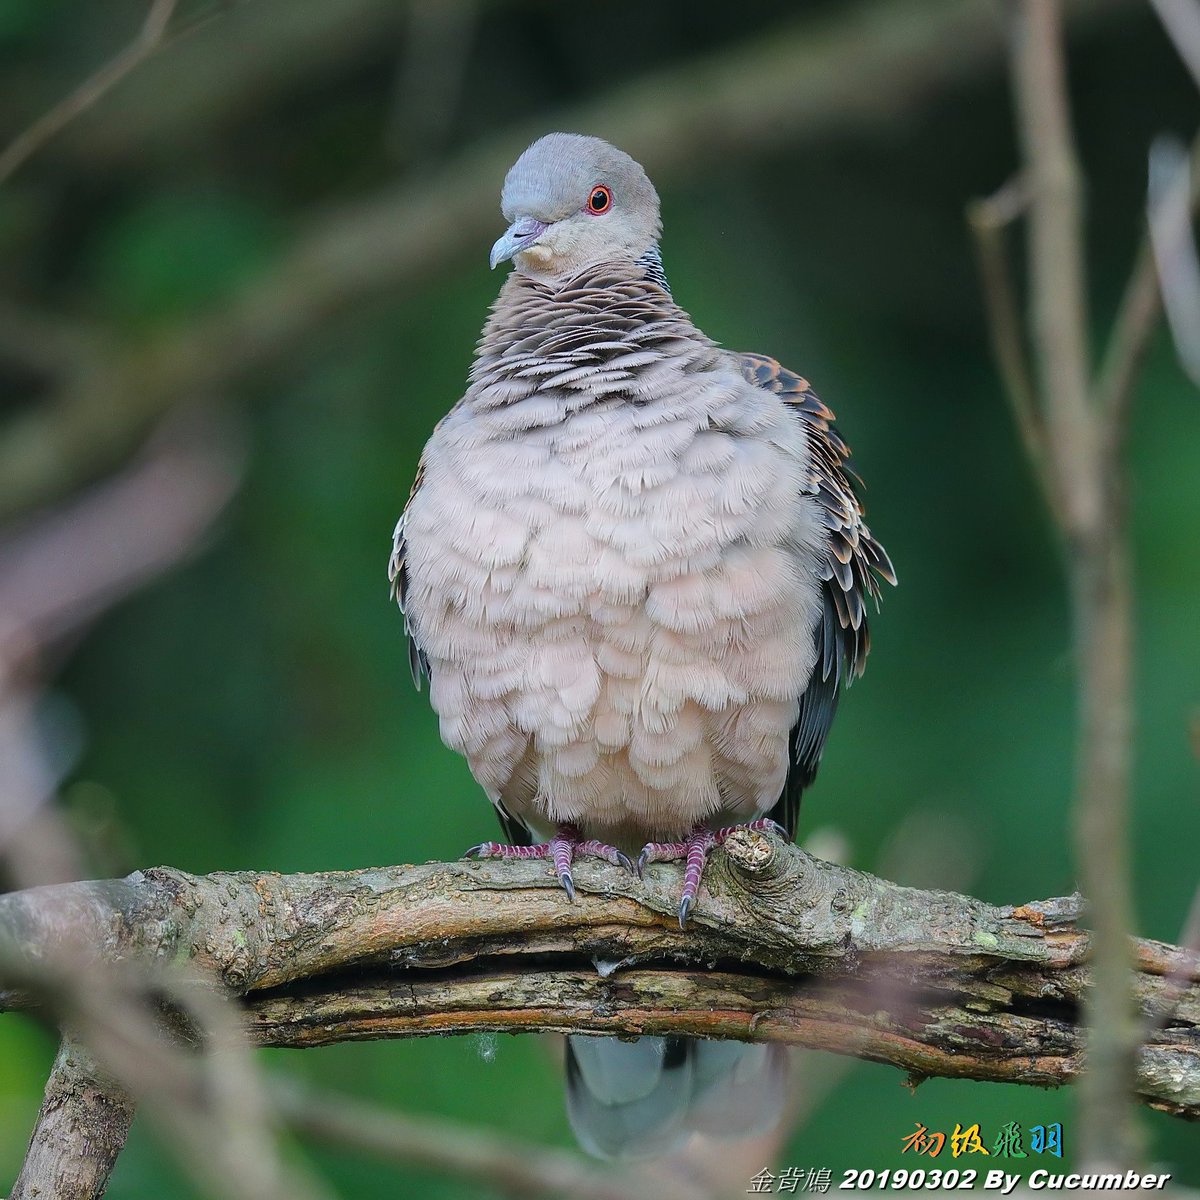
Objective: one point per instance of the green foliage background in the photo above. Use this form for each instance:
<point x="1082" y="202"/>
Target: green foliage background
<point x="254" y="708"/>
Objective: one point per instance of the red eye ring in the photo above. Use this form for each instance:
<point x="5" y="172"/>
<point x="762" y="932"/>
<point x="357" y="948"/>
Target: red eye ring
<point x="600" y="201"/>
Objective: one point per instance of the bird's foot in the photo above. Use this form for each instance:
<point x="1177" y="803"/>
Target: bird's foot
<point x="562" y="849"/>
<point x="694" y="852"/>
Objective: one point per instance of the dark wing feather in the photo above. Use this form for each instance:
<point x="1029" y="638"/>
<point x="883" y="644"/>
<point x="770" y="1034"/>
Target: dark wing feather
<point x="853" y="565"/>
<point x="418" y="664"/>
<point x="516" y="833"/>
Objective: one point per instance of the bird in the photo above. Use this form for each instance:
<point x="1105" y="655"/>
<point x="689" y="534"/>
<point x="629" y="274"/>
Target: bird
<point x="635" y="569"/>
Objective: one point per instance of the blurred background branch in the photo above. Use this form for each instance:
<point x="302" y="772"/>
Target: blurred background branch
<point x="154" y="34"/>
<point x="59" y="572"/>
<point x="799" y="81"/>
<point x="1074" y="433"/>
<point x="503" y="1166"/>
<point x="1092" y="493"/>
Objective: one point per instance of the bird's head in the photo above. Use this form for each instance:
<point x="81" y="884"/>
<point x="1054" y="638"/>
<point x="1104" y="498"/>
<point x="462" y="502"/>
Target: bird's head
<point x="573" y="201"/>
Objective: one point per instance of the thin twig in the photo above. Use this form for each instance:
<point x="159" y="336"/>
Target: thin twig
<point x="1137" y="318"/>
<point x="150" y="39"/>
<point x="1056" y="270"/>
<point x="988" y="219"/>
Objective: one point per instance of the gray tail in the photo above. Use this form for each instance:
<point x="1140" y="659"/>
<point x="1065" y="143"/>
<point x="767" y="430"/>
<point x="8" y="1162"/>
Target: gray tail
<point x="644" y="1098"/>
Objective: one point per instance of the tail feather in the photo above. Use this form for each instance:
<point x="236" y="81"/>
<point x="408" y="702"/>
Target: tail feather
<point x="645" y="1098"/>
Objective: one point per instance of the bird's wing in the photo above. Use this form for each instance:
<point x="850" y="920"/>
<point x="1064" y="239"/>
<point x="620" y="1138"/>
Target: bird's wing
<point x="515" y="832"/>
<point x="418" y="664"/>
<point x="851" y="567"/>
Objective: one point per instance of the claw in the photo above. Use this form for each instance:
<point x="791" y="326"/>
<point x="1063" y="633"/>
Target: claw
<point x="597" y="849"/>
<point x="694" y="851"/>
<point x="562" y="849"/>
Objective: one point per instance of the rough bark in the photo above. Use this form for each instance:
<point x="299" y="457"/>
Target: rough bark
<point x="781" y="947"/>
<point x="80" y="1130"/>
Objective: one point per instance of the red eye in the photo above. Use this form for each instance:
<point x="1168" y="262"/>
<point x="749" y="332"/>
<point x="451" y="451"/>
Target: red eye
<point x="600" y="201"/>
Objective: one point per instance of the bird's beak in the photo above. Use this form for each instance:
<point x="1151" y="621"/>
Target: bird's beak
<point x="521" y="233"/>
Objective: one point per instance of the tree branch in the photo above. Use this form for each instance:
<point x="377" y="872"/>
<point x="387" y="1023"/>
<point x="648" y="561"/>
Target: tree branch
<point x="1134" y="325"/>
<point x="988" y="219"/>
<point x="807" y="952"/>
<point x="1056" y="270"/>
<point x="149" y="39"/>
<point x="925" y="1033"/>
<point x="81" y="1128"/>
<point x="1093" y="524"/>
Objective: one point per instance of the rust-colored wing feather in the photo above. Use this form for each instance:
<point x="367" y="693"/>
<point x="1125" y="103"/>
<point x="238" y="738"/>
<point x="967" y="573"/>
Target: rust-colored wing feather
<point x="853" y="565"/>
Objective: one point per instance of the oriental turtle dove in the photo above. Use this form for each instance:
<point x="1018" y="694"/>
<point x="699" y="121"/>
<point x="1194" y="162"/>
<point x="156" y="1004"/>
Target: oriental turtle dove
<point x="636" y="572"/>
